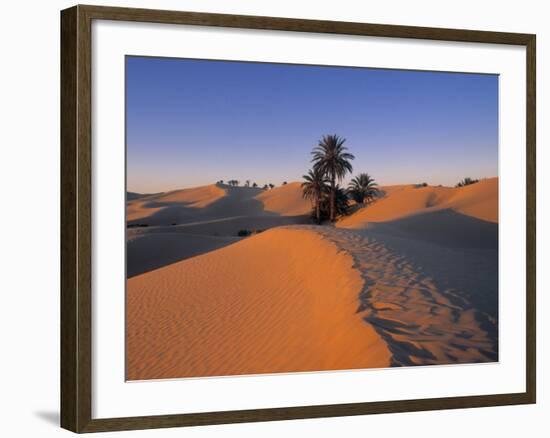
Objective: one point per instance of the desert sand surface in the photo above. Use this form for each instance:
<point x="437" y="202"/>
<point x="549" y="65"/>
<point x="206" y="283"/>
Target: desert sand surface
<point x="411" y="279"/>
<point x="464" y="216"/>
<point x="281" y="301"/>
<point x="145" y="207"/>
<point x="169" y="227"/>
<point x="286" y="200"/>
<point x="478" y="201"/>
<point x="444" y="243"/>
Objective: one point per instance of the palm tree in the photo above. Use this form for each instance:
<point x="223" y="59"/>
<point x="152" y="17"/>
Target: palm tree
<point x="271" y="186"/>
<point x="341" y="200"/>
<point x="466" y="182"/>
<point x="362" y="187"/>
<point x="254" y="185"/>
<point x="330" y="158"/>
<point x="314" y="187"/>
<point x="247" y="183"/>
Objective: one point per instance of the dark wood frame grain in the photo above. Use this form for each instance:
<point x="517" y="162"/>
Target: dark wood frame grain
<point x="76" y="161"/>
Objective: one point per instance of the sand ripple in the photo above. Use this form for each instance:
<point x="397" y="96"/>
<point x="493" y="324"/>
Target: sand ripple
<point x="284" y="300"/>
<point x="421" y="323"/>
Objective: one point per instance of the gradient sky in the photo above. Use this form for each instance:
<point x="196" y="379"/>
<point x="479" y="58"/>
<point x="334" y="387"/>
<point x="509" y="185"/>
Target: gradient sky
<point x="193" y="122"/>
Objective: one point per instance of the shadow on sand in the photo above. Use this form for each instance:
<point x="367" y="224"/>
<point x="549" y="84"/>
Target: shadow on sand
<point x="177" y="231"/>
<point x="430" y="285"/>
<point x="238" y="201"/>
<point x="443" y="227"/>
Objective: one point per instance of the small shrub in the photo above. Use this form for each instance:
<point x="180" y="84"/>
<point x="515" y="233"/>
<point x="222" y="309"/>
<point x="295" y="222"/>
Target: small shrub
<point x="244" y="233"/>
<point x="136" y="225"/>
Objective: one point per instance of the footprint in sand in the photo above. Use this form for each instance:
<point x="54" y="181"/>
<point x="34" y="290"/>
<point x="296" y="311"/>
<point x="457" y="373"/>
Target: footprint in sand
<point x="420" y="323"/>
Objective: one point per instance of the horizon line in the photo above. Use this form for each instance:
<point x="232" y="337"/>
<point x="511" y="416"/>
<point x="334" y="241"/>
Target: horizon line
<point x="260" y="186"/>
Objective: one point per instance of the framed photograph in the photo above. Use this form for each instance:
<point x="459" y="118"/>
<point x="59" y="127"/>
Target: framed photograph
<point x="270" y="218"/>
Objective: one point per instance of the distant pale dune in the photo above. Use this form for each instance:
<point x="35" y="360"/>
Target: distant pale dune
<point x="281" y="301"/>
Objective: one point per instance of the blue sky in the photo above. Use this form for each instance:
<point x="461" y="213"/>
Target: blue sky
<point x="193" y="122"/>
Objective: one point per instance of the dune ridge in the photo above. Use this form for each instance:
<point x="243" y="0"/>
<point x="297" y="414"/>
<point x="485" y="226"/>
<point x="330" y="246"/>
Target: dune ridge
<point x="422" y="322"/>
<point x="142" y="207"/>
<point x="411" y="279"/>
<point x="478" y="200"/>
<point x="173" y="226"/>
<point x="281" y="301"/>
<point x="286" y="200"/>
<point x="216" y="201"/>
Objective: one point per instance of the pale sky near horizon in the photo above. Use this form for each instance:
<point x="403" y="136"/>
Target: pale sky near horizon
<point x="193" y="122"/>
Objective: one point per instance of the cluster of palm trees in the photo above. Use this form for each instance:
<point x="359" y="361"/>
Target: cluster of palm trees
<point x="363" y="189"/>
<point x="247" y="183"/>
<point x="466" y="182"/>
<point x="331" y="163"/>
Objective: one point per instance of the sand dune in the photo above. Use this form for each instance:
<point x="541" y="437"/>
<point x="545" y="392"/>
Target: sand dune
<point x="231" y="226"/>
<point x="216" y="212"/>
<point x="140" y="208"/>
<point x="411" y="279"/>
<point x="455" y="217"/>
<point x="429" y="259"/>
<point x="215" y="201"/>
<point x="132" y="196"/>
<point x="148" y="251"/>
<point x="281" y="301"/>
<point x="478" y="201"/>
<point x="430" y="304"/>
<point x="307" y="298"/>
<point x="153" y="247"/>
<point x="286" y="200"/>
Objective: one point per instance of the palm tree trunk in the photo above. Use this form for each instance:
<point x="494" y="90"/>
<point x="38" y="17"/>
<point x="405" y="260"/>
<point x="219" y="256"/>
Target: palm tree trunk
<point x="318" y="210"/>
<point x="332" y="194"/>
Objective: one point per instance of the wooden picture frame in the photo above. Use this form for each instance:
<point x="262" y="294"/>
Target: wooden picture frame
<point x="76" y="173"/>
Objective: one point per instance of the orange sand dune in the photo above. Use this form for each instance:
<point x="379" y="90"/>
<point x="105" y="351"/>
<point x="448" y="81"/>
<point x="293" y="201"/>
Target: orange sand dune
<point x="431" y="305"/>
<point x="147" y="251"/>
<point x="196" y="197"/>
<point x="281" y="301"/>
<point x="216" y="202"/>
<point x="154" y="247"/>
<point x="388" y="190"/>
<point x="478" y="201"/>
<point x="286" y="200"/>
<point x="214" y="215"/>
